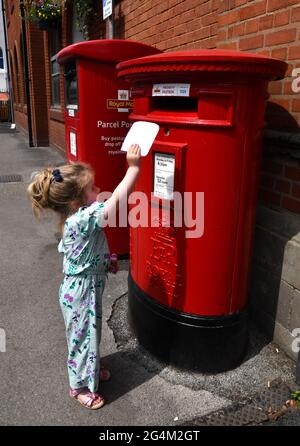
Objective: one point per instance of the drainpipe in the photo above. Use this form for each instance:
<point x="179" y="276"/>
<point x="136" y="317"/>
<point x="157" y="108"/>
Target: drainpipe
<point x="298" y="369"/>
<point x="26" y="73"/>
<point x="111" y="23"/>
<point x="11" y="103"/>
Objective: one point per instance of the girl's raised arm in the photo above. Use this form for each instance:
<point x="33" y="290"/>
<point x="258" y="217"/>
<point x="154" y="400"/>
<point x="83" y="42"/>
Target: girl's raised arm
<point x="126" y="186"/>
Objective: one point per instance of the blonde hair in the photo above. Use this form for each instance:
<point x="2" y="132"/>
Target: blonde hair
<point x="47" y="192"/>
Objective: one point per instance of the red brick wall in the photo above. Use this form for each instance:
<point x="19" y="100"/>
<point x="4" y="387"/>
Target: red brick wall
<point x="171" y="25"/>
<point x="57" y="134"/>
<point x="272" y="28"/>
<point x="21" y="120"/>
<point x="280" y="183"/>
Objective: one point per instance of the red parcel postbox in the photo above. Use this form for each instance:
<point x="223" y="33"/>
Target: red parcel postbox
<point x="188" y="291"/>
<point x="97" y="106"/>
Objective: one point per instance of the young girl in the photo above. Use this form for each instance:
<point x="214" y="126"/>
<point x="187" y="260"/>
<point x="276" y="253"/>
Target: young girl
<point x="70" y="192"/>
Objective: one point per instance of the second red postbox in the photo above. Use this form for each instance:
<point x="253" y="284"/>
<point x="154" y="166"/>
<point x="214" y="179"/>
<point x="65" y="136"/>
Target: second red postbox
<point x="97" y="106"/>
<point x="189" y="265"/>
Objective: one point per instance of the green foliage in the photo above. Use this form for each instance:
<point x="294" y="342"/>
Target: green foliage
<point x="296" y="396"/>
<point x="46" y="10"/>
<point x="49" y="10"/>
<point x="84" y="11"/>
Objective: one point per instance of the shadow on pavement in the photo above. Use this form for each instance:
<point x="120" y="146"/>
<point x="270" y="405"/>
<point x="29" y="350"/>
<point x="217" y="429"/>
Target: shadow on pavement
<point x="126" y="376"/>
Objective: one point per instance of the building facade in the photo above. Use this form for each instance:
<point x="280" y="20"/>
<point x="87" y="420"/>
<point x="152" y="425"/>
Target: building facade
<point x="4" y="86"/>
<point x="267" y="27"/>
<point x="3" y="67"/>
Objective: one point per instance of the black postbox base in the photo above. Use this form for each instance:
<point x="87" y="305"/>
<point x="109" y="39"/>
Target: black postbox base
<point x="204" y="344"/>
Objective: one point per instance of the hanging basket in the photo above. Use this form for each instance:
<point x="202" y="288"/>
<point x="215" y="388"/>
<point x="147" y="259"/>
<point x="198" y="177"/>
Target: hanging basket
<point x="47" y="25"/>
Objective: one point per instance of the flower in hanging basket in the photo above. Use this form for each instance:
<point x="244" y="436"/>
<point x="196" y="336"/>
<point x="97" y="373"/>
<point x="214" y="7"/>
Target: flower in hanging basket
<point x="44" y="10"/>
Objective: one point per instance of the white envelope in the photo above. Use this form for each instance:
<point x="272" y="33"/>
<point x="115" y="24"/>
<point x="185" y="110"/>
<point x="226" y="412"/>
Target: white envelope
<point x="142" y="133"/>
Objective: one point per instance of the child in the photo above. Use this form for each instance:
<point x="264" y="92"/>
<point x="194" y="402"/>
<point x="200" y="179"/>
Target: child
<point x="70" y="192"/>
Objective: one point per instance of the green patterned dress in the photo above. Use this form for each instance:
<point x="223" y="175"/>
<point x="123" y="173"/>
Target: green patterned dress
<point x="85" y="266"/>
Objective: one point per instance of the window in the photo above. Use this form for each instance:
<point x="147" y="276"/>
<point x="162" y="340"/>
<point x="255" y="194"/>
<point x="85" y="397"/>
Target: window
<point x="71" y="88"/>
<point x="55" y="82"/>
<point x="1" y="59"/>
<point x="54" y="47"/>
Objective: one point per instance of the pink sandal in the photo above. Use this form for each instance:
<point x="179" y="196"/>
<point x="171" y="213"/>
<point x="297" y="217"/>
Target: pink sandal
<point x="104" y="374"/>
<point x="90" y="398"/>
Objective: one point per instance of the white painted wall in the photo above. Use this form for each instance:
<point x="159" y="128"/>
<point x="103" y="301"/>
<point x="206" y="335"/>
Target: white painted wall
<point x="3" y="71"/>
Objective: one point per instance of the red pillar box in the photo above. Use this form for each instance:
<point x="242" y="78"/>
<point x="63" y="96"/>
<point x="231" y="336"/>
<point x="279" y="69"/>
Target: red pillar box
<point x="188" y="286"/>
<point x="97" y="105"/>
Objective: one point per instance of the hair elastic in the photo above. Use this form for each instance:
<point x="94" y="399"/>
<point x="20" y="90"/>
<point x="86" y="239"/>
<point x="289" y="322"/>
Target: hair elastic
<point x="57" y="176"/>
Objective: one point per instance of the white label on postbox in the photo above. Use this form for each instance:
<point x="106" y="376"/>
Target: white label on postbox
<point x="73" y="147"/>
<point x="71" y="112"/>
<point x="171" y="89"/>
<point x="164" y="169"/>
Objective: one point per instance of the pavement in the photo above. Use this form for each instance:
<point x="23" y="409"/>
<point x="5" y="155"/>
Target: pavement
<point x="142" y="391"/>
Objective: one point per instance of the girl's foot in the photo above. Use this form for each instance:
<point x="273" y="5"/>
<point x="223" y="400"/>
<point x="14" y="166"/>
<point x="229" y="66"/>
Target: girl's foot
<point x="88" y="399"/>
<point x="104" y="375"/>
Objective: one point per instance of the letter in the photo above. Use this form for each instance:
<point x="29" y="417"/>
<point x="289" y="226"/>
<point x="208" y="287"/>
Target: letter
<point x="296" y="342"/>
<point x="188" y="211"/>
<point x="2" y="340"/>
<point x="99" y="124"/>
<point x="296" y="82"/>
<point x="111" y="220"/>
<point x="123" y="212"/>
<point x="154" y="435"/>
<point x="177" y="209"/>
<point x="130" y="435"/>
<point x="188" y="435"/>
<point x="141" y="208"/>
<point x="171" y="435"/>
<point x="196" y="432"/>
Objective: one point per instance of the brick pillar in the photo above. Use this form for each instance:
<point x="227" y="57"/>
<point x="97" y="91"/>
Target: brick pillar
<point x="36" y="57"/>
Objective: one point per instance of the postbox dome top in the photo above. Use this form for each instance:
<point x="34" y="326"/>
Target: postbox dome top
<point x="105" y="51"/>
<point x="205" y="61"/>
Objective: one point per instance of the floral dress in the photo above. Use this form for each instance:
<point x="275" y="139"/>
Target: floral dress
<point x="85" y="266"/>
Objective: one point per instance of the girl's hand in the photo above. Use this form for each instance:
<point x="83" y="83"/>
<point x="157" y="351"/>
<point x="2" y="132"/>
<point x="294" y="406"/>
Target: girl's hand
<point x="134" y="155"/>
